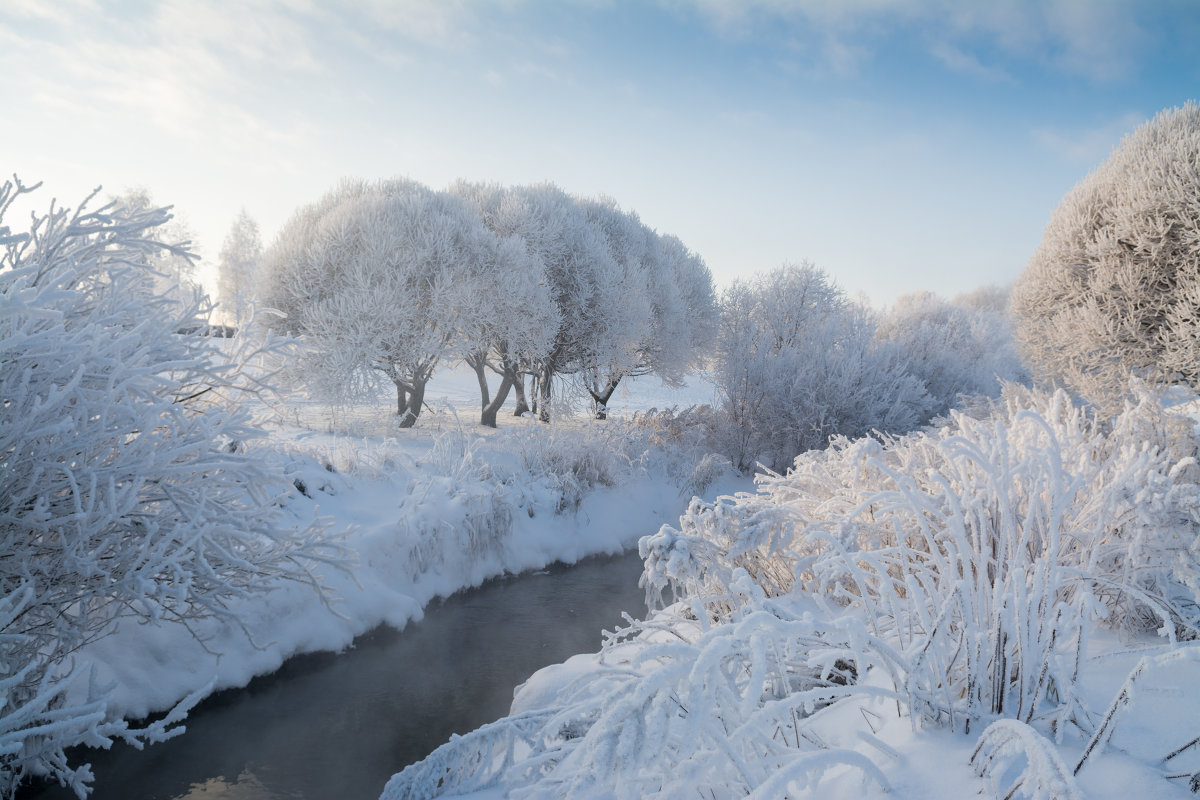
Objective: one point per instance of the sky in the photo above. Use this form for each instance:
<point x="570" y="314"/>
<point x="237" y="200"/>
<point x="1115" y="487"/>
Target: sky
<point x="900" y="145"/>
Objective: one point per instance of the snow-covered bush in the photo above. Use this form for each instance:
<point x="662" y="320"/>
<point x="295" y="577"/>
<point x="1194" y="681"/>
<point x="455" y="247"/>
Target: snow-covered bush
<point x="125" y="485"/>
<point x="985" y="548"/>
<point x="565" y="463"/>
<point x="684" y="437"/>
<point x="679" y="710"/>
<point x="796" y="363"/>
<point x="1114" y="286"/>
<point x="956" y="348"/>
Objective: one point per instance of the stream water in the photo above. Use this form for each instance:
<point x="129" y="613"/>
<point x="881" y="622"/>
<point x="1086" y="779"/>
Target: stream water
<point x="339" y="725"/>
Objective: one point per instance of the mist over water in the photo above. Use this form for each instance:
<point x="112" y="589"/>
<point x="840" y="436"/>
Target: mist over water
<point x="339" y="725"/>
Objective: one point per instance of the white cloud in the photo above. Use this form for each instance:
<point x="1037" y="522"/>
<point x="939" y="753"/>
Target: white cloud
<point x="446" y="24"/>
<point x="57" y="12"/>
<point x="965" y="63"/>
<point x="1098" y="40"/>
<point x="185" y="67"/>
<point x="261" y="32"/>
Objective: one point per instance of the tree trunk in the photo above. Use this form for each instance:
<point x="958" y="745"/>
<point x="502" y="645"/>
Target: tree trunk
<point x="544" y="392"/>
<point x="416" y="399"/>
<point x="602" y="397"/>
<point x="522" y="406"/>
<point x="478" y="362"/>
<point x="488" y="417"/>
<point x="401" y="399"/>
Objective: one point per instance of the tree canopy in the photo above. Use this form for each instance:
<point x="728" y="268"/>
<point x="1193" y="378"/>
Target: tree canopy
<point x="1114" y="287"/>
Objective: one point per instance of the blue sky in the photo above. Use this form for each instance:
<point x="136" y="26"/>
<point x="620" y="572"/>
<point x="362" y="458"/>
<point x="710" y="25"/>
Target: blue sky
<point x="898" y="145"/>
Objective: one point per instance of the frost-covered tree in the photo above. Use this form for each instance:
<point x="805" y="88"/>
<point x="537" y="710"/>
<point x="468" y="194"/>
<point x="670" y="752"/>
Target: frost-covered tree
<point x="383" y="278"/>
<point x="667" y="311"/>
<point x="176" y="273"/>
<point x="1114" y="287"/>
<point x="956" y="348"/>
<point x="992" y="298"/>
<point x="686" y="323"/>
<point x="628" y="317"/>
<point x="628" y="301"/>
<point x="237" y="267"/>
<point x="121" y="491"/>
<point x="578" y="270"/>
<point x="796" y="362"/>
<point x="518" y="317"/>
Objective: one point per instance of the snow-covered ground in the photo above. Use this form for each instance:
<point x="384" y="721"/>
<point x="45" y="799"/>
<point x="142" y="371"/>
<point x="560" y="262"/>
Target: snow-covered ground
<point x="445" y="505"/>
<point x="930" y="763"/>
<point x="820" y="652"/>
<point x="424" y="512"/>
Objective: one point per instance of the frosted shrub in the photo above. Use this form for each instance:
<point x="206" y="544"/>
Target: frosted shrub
<point x="682" y="441"/>
<point x="577" y="460"/>
<point x="960" y="348"/>
<point x="727" y="711"/>
<point x="446" y="518"/>
<point x="982" y="550"/>
<point x="126" y="489"/>
<point x="462" y="501"/>
<point x="1114" y="284"/>
<point x="1044" y="774"/>
<point x="796" y="363"/>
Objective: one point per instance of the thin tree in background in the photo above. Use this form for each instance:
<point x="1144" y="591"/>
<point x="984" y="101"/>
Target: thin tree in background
<point x="176" y="273"/>
<point x="237" y="267"/>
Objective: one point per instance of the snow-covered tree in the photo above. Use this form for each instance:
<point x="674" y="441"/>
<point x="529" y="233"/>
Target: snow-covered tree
<point x="796" y="362"/>
<point x="667" y="312"/>
<point x="686" y="323"/>
<point x="384" y="277"/>
<point x="578" y="270"/>
<point x="1114" y="286"/>
<point x="956" y="348"/>
<point x="237" y="267"/>
<point x="517" y="317"/>
<point x="627" y="319"/>
<point x="177" y="273"/>
<point x="629" y="302"/>
<point x="986" y="298"/>
<point x="121" y="491"/>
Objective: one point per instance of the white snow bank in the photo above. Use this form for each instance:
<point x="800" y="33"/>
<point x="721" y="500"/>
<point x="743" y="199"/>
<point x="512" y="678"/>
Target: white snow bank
<point x="423" y="513"/>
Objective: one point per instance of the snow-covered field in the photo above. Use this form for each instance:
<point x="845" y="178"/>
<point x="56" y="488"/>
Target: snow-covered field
<point x="424" y="512"/>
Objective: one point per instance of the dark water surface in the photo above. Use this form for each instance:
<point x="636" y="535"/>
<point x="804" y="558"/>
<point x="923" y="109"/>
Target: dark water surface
<point x="337" y="726"/>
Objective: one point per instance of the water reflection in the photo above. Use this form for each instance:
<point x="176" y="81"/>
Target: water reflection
<point x="329" y="725"/>
<point x="245" y="787"/>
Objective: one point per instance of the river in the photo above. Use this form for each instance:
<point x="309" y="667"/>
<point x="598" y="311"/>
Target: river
<point x="339" y="725"/>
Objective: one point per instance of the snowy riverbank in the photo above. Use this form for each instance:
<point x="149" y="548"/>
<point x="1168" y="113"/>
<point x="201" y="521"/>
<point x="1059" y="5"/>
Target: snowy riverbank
<point x="422" y="513"/>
